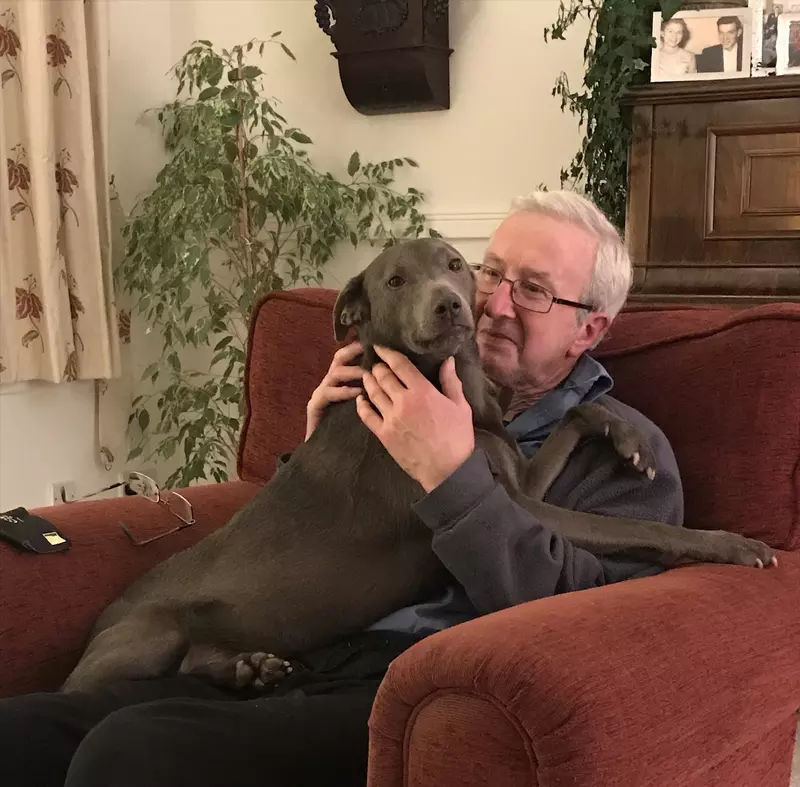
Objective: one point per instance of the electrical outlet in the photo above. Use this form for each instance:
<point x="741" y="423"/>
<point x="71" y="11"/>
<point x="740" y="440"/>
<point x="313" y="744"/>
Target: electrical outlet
<point x="63" y="492"/>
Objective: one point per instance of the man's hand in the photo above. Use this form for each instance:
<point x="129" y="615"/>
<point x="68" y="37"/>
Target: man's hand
<point x="331" y="389"/>
<point x="429" y="434"/>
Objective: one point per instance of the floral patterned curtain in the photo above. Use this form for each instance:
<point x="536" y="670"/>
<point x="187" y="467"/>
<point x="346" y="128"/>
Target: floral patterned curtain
<point x="57" y="311"/>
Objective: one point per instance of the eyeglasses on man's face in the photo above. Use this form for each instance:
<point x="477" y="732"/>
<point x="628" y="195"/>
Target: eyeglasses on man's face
<point x="525" y="294"/>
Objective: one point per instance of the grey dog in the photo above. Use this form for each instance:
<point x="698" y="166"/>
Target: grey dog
<point x="330" y="544"/>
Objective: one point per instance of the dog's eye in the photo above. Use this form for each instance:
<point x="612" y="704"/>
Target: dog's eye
<point x="396" y="281"/>
<point x="456" y="265"/>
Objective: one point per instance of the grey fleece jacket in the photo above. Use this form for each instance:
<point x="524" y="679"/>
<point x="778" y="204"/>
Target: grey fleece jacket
<point x="500" y="555"/>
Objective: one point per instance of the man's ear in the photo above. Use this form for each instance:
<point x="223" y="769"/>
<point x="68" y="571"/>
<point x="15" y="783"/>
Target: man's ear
<point x="351" y="307"/>
<point x="591" y="331"/>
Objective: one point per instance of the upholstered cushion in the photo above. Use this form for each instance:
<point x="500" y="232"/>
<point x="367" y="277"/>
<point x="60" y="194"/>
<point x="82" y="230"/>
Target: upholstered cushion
<point x="290" y="349"/>
<point x="723" y="384"/>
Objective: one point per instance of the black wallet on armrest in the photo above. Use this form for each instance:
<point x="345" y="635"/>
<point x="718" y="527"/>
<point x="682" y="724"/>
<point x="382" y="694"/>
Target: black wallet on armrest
<point x="31" y="533"/>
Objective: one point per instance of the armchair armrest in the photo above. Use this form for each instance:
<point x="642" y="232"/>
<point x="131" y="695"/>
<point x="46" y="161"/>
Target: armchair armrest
<point x="48" y="603"/>
<point x="657" y="678"/>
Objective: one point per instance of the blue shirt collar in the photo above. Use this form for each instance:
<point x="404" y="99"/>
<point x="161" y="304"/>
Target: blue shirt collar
<point x="587" y="382"/>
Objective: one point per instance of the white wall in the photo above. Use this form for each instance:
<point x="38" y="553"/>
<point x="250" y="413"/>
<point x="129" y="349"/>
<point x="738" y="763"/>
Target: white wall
<point x="503" y="134"/>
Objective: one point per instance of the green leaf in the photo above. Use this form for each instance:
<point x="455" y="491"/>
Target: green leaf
<point x="670" y="7"/>
<point x="176" y="207"/>
<point x="288" y="51"/>
<point x="354" y="164"/>
<point x="276" y="34"/>
<point x="149" y="370"/>
<point x="209" y="92"/>
<point x="251" y="72"/>
<point x="354" y="239"/>
<point x="231" y="150"/>
<point x="299" y="136"/>
<point x="144" y="420"/>
<point x="411" y="162"/>
<point x="434" y="233"/>
<point x="222" y="222"/>
<point x="231" y="119"/>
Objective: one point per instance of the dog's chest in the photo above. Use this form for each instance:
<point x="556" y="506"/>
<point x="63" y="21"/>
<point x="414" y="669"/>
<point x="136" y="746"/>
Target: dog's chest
<point x="340" y="486"/>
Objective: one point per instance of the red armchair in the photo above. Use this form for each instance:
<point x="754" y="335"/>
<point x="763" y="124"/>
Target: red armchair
<point x="689" y="678"/>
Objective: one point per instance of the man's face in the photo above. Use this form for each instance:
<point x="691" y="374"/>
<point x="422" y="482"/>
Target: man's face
<point x="728" y="36"/>
<point x="526" y="350"/>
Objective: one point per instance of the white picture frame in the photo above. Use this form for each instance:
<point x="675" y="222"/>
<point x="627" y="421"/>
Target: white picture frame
<point x="765" y="34"/>
<point x="699" y="53"/>
<point x="764" y="63"/>
<point x="789" y="43"/>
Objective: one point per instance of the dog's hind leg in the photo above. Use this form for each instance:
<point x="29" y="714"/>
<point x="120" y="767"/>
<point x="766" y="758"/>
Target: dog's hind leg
<point x="233" y="670"/>
<point x="146" y="644"/>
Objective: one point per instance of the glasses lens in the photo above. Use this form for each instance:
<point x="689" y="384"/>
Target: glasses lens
<point x="532" y="296"/>
<point x="143" y="485"/>
<point x="179" y="506"/>
<point x="486" y="278"/>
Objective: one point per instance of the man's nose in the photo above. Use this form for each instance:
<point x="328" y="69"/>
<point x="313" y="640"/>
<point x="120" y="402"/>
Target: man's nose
<point x="500" y="303"/>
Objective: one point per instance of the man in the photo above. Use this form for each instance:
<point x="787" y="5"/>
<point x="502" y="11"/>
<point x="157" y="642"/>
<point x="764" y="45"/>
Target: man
<point x="727" y="55"/>
<point x="313" y="730"/>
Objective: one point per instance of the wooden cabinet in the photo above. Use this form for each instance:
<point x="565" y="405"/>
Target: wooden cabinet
<point x="714" y="191"/>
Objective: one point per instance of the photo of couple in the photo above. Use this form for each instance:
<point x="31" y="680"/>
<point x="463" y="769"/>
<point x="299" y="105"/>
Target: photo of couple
<point x="702" y="45"/>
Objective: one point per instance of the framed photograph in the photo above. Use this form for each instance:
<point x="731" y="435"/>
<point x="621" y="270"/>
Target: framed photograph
<point x="789" y="43"/>
<point x="765" y="34"/>
<point x="707" y="44"/>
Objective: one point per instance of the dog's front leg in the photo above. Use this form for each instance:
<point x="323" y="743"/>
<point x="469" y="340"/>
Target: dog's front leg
<point x="582" y="422"/>
<point x="233" y="670"/>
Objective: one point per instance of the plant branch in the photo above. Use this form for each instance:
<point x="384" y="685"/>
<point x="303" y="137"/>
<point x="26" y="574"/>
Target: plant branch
<point x="275" y="218"/>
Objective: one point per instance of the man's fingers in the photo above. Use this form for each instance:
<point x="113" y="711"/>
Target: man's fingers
<point x="451" y="384"/>
<point x="368" y="416"/>
<point x="342" y="392"/>
<point x="378" y="397"/>
<point x="342" y="374"/>
<point x="388" y="381"/>
<point x="407" y="373"/>
<point x="348" y="352"/>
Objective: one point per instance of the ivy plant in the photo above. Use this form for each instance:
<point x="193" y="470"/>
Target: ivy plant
<point x="238" y="210"/>
<point x="616" y="56"/>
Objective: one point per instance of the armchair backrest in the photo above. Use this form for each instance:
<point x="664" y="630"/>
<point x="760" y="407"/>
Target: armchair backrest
<point x="722" y="383"/>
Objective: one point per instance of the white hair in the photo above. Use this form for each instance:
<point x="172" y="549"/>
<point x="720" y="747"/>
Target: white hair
<point x="612" y="272"/>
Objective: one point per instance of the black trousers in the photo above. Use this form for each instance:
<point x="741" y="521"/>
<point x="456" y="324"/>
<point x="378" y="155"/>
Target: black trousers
<point x="181" y="732"/>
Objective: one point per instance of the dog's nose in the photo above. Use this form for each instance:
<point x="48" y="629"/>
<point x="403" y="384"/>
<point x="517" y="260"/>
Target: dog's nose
<point x="448" y="304"/>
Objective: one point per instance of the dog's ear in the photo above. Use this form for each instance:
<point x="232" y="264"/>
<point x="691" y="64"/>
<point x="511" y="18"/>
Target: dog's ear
<point x="351" y="308"/>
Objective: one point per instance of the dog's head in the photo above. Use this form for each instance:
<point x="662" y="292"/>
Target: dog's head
<point x="417" y="297"/>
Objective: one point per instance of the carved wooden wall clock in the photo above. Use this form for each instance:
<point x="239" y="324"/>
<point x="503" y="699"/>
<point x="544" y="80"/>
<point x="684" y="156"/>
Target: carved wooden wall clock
<point x="393" y="55"/>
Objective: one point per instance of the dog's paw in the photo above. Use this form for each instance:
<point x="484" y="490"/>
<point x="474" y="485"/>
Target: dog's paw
<point x="260" y="670"/>
<point x="742" y="551"/>
<point x="594" y="420"/>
